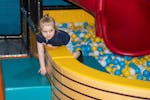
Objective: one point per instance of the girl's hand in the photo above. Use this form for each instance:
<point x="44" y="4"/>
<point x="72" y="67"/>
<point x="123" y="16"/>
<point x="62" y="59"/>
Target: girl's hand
<point x="42" y="71"/>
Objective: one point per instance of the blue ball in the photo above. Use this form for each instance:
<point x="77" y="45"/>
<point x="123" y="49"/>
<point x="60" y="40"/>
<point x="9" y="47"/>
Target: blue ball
<point x="114" y="66"/>
<point x="78" y="32"/>
<point x="137" y="70"/>
<point x="148" y="63"/>
<point x="148" y="78"/>
<point x="145" y="73"/>
<point x="64" y="25"/>
<point x="85" y="24"/>
<point x="115" y="61"/>
<point x="140" y="77"/>
<point x="122" y="64"/>
<point x="88" y="48"/>
<point x="117" y="72"/>
<point x="88" y="41"/>
<point x="108" y="60"/>
<point x="100" y="48"/>
<point x="128" y="58"/>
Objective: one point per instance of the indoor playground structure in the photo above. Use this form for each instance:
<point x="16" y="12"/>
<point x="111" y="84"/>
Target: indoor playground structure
<point x="112" y="34"/>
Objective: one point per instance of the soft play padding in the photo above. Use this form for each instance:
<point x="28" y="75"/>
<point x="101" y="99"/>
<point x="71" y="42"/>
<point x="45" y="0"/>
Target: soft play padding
<point x="93" y="63"/>
<point x="125" y="24"/>
<point x="74" y="80"/>
<point x="22" y="81"/>
<point x="10" y="17"/>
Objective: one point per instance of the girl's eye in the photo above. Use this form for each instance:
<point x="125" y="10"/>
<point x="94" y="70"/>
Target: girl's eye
<point x="51" y="30"/>
<point x="48" y="31"/>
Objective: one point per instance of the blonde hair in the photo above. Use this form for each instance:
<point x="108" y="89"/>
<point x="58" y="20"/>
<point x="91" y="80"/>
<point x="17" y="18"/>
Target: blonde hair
<point x="45" y="20"/>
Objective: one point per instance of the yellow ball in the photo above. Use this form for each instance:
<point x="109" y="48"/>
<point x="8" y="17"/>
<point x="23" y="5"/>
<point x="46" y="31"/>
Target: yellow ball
<point x="97" y="39"/>
<point x="125" y="72"/>
<point x="109" y="69"/>
<point x="86" y="36"/>
<point x="73" y="36"/>
<point x="77" y="49"/>
<point x="94" y="48"/>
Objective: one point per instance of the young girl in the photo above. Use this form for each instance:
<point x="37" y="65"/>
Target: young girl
<point x="50" y="36"/>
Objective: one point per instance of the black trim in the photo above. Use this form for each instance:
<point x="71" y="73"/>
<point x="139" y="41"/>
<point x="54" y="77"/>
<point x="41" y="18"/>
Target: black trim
<point x="60" y="7"/>
<point x="74" y="90"/>
<point x="100" y="89"/>
<point x="62" y="92"/>
<point x="55" y="95"/>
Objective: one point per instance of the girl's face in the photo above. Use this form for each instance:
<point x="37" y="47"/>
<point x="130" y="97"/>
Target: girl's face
<point x="48" y="31"/>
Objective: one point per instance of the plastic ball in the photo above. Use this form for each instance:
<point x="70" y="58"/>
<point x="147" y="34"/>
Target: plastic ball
<point x="73" y="36"/>
<point x="127" y="58"/>
<point x="122" y="64"/>
<point x="148" y="63"/>
<point x="99" y="48"/>
<point x="81" y="35"/>
<point x="88" y="48"/>
<point x="108" y="60"/>
<point x="64" y="25"/>
<point x="86" y="36"/>
<point x="148" y="78"/>
<point x="117" y="72"/>
<point x="88" y="41"/>
<point x="115" y="61"/>
<point x="125" y="72"/>
<point x="132" y="71"/>
<point x="77" y="24"/>
<point x="97" y="39"/>
<point x="146" y="73"/>
<point x="78" y="32"/>
<point x="94" y="48"/>
<point x="109" y="69"/>
<point x="137" y="70"/>
<point x="82" y="38"/>
<point x="140" y="77"/>
<point x="96" y="53"/>
<point x="85" y="24"/>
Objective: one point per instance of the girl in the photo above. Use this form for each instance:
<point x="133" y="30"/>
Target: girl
<point x="50" y="36"/>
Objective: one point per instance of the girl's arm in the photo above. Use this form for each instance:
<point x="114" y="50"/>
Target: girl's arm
<point x="41" y="57"/>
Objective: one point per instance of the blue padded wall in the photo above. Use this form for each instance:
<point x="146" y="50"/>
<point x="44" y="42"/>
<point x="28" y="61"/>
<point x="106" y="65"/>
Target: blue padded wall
<point x="10" y="23"/>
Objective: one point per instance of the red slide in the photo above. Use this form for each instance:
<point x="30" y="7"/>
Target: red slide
<point x="125" y="24"/>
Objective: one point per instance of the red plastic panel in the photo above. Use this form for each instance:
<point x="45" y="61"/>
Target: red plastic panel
<point x="125" y="24"/>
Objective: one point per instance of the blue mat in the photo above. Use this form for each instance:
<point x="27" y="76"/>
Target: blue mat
<point x="22" y="81"/>
<point x="10" y="17"/>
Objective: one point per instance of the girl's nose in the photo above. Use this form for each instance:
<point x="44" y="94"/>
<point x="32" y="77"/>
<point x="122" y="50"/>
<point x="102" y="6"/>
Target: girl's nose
<point x="48" y="34"/>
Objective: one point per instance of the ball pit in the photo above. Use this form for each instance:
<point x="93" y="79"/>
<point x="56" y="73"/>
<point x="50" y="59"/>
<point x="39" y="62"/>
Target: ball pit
<point x="83" y="37"/>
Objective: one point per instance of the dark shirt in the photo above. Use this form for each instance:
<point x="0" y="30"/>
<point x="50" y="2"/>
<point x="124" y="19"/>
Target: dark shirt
<point x="60" y="38"/>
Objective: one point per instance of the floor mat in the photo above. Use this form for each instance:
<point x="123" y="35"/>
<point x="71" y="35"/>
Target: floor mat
<point x="12" y="47"/>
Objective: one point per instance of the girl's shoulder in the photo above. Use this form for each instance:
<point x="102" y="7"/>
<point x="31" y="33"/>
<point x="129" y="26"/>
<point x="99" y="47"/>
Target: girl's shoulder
<point x="40" y="38"/>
